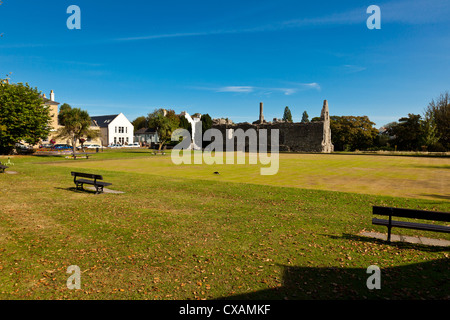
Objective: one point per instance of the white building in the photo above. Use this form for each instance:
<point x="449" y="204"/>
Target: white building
<point x="115" y="129"/>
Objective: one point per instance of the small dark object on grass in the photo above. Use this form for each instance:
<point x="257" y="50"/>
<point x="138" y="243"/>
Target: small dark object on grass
<point x="216" y="172"/>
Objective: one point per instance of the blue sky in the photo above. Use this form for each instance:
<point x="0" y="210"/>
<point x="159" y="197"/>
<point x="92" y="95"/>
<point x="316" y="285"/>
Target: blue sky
<point x="224" y="57"/>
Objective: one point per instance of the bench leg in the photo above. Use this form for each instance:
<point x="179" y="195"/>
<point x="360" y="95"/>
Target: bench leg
<point x="99" y="189"/>
<point x="389" y="228"/>
<point x="79" y="186"/>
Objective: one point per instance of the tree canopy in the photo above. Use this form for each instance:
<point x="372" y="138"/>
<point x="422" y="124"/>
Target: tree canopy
<point x="305" y="117"/>
<point x="140" y="123"/>
<point x="165" y="122"/>
<point x="76" y="124"/>
<point x="438" y="115"/>
<point x="287" y="116"/>
<point x="350" y="133"/>
<point x="23" y="115"/>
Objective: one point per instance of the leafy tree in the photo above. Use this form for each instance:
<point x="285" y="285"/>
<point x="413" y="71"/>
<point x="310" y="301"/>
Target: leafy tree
<point x="206" y="122"/>
<point x="76" y="124"/>
<point x="350" y="133"/>
<point x="287" y="116"/>
<point x="430" y="136"/>
<point x="408" y="132"/>
<point x="23" y="115"/>
<point x="140" y="122"/>
<point x="438" y="114"/>
<point x="165" y="123"/>
<point x="184" y="124"/>
<point x="305" y="117"/>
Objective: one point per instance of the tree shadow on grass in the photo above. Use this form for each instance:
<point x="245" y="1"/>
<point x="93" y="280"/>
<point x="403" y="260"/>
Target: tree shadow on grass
<point x="73" y="189"/>
<point x="437" y="196"/>
<point x="429" y="280"/>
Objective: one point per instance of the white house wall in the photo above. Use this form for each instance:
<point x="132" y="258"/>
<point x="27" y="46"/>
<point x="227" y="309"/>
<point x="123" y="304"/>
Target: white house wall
<point x="128" y="130"/>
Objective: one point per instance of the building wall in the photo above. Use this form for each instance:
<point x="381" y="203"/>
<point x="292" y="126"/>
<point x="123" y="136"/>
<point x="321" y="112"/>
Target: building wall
<point x="295" y="137"/>
<point x="124" y="136"/>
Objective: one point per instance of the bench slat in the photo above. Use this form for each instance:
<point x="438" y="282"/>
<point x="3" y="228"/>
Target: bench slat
<point x="87" y="175"/>
<point x="411" y="225"/>
<point x="100" y="183"/>
<point x="411" y="213"/>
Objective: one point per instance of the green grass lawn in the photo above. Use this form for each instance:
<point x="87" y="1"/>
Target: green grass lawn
<point x="181" y="232"/>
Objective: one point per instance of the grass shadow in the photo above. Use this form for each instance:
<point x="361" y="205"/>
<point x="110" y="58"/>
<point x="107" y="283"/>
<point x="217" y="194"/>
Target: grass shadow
<point x="437" y="196"/>
<point x="73" y="189"/>
<point x="428" y="280"/>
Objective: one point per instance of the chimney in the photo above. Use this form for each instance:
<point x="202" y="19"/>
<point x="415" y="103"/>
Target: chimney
<point x="261" y="115"/>
<point x="52" y="96"/>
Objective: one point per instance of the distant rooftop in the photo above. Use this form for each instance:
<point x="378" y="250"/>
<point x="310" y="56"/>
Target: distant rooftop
<point x="103" y="121"/>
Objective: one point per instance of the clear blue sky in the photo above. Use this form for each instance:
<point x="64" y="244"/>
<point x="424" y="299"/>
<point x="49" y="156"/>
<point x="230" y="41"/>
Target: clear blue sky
<point x="224" y="57"/>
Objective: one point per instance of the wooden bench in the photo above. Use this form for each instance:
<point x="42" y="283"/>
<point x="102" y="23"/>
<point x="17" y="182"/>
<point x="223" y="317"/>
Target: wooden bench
<point x="413" y="214"/>
<point x="81" y="154"/>
<point x="94" y="181"/>
<point x="2" y="168"/>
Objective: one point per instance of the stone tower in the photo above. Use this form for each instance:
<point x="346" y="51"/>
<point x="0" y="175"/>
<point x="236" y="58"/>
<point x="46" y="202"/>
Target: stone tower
<point x="327" y="145"/>
<point x="261" y="115"/>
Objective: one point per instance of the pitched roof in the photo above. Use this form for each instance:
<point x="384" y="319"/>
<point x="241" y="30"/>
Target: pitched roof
<point x="103" y="121"/>
<point x="48" y="101"/>
<point x="144" y="130"/>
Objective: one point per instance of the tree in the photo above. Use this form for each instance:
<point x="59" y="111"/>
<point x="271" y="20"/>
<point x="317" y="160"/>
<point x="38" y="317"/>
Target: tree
<point x="305" y="117"/>
<point x="184" y="124"/>
<point x="408" y="132"/>
<point x="165" y="122"/>
<point x="23" y="115"/>
<point x="350" y="133"/>
<point x="438" y="113"/>
<point x="76" y="124"/>
<point x="140" y="122"/>
<point x="206" y="122"/>
<point x="287" y="116"/>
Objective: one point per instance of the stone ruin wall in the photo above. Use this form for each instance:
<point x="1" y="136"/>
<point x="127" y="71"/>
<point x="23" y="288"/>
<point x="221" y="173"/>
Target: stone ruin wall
<point x="293" y="137"/>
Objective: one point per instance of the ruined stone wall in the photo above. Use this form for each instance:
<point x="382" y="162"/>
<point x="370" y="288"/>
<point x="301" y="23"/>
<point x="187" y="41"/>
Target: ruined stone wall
<point x="294" y="137"/>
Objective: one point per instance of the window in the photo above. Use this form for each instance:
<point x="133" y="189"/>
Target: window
<point x="116" y="129"/>
<point x="115" y="139"/>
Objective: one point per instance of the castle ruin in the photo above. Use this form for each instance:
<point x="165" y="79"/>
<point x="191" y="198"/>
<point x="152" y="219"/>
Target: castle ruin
<point x="294" y="137"/>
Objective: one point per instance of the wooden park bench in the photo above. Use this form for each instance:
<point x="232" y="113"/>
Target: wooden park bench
<point x="80" y="154"/>
<point x="94" y="181"/>
<point x="2" y="168"/>
<point x="412" y="214"/>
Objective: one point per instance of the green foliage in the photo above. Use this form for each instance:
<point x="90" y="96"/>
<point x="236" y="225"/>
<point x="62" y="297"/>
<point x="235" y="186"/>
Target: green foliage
<point x="407" y="132"/>
<point x="76" y="125"/>
<point x="140" y="123"/>
<point x="287" y="116"/>
<point x="349" y="133"/>
<point x="305" y="117"/>
<point x="165" y="123"/>
<point x="184" y="124"/>
<point x="23" y="115"/>
<point x="206" y="122"/>
<point x="438" y="114"/>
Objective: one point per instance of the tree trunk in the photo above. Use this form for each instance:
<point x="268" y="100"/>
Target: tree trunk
<point x="73" y="147"/>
